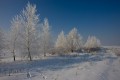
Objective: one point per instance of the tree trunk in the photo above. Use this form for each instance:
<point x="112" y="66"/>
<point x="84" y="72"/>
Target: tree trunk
<point x="44" y="47"/>
<point x="44" y="54"/>
<point x="14" y="55"/>
<point x="29" y="54"/>
<point x="72" y="50"/>
<point x="44" y="51"/>
<point x="28" y="47"/>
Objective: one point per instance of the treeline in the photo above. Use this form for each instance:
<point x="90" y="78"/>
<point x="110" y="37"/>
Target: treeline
<point x="31" y="36"/>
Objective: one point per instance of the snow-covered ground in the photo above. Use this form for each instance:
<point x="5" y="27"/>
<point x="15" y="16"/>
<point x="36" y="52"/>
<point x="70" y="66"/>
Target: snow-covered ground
<point x="102" y="66"/>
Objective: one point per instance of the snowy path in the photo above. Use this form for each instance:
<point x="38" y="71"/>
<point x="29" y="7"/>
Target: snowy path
<point x="104" y="74"/>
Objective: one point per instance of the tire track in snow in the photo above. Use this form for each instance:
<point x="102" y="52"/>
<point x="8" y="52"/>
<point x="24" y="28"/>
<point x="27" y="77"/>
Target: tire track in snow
<point x="104" y="74"/>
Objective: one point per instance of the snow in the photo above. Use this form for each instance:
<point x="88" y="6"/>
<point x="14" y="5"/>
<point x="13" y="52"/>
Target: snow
<point x="101" y="66"/>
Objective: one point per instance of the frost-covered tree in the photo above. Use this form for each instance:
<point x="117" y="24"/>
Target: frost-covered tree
<point x="29" y="22"/>
<point x="61" y="41"/>
<point x="1" y="39"/>
<point x="74" y="40"/>
<point x="92" y="42"/>
<point x="14" y="34"/>
<point x="46" y="36"/>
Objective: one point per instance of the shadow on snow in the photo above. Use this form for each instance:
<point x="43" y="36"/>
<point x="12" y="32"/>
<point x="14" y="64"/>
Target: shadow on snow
<point x="52" y="63"/>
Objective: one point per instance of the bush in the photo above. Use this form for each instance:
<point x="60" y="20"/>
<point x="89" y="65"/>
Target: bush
<point x="117" y="51"/>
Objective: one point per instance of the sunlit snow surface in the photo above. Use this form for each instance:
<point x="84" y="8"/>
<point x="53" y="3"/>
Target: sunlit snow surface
<point x="102" y="66"/>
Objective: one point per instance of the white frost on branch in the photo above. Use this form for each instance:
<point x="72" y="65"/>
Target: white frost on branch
<point x="74" y="40"/>
<point x="92" y="42"/>
<point x="29" y="22"/>
<point x="1" y="39"/>
<point x="14" y="35"/>
<point x="61" y="41"/>
<point x="46" y="36"/>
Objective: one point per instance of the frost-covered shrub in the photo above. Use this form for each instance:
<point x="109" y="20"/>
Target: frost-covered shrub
<point x="92" y="44"/>
<point x="116" y="51"/>
<point x="74" y="40"/>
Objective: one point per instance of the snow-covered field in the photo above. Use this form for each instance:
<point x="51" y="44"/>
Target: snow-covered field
<point x="102" y="66"/>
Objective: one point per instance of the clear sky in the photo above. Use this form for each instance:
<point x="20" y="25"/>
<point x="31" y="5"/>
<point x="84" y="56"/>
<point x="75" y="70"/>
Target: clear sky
<point x="91" y="17"/>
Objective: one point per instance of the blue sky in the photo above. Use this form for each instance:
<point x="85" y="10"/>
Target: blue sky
<point x="91" y="17"/>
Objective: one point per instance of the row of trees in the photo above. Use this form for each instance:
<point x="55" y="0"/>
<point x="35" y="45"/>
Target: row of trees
<point x="73" y="41"/>
<point x="30" y="36"/>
